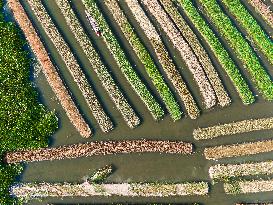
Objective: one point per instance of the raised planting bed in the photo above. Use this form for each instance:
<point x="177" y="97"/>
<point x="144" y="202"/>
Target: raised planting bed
<point x="125" y="66"/>
<point x="199" y="51"/>
<point x="164" y="58"/>
<point x="252" y="186"/>
<point x="219" y="51"/>
<point x="241" y="47"/>
<point x="145" y="58"/>
<point x="233" y="128"/>
<point x="225" y="171"/>
<point x="237" y="150"/>
<point x="48" y="69"/>
<point x="103" y="74"/>
<point x="100" y="148"/>
<point x="71" y="63"/>
<point x="30" y="191"/>
<point x="263" y="10"/>
<point x="199" y="76"/>
<point x="255" y="33"/>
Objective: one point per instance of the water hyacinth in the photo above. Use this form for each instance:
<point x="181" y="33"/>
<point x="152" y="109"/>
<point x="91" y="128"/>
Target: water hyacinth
<point x="199" y="51"/>
<point x="48" y="69"/>
<point x="185" y="51"/>
<point x="164" y="58"/>
<point x="219" y="51"/>
<point x="145" y="58"/>
<point x="103" y="74"/>
<point x="123" y="63"/>
<point x="224" y="171"/>
<point x="255" y="33"/>
<point x="248" y="186"/>
<point x="71" y="63"/>
<point x="233" y="128"/>
<point x="238" y="150"/>
<point x="28" y="191"/>
<point x="100" y="148"/>
<point x="241" y="47"/>
<point x="263" y="10"/>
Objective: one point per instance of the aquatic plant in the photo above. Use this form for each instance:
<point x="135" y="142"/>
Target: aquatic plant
<point x="100" y="148"/>
<point x="219" y="51"/>
<point x="164" y="58"/>
<point x="199" y="51"/>
<point x="103" y="74"/>
<point x="238" y="150"/>
<point x="145" y="58"/>
<point x="240" y="46"/>
<point x="101" y="174"/>
<point x="199" y="76"/>
<point x="71" y="63"/>
<point x="255" y="33"/>
<point x="232" y="128"/>
<point x="123" y="63"/>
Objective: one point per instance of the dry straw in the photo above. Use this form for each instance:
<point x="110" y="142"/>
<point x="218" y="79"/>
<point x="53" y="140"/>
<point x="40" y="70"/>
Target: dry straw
<point x="48" y="69"/>
<point x="206" y="90"/>
<point x="237" y="150"/>
<point x="233" y="128"/>
<point x="99" y="148"/>
<point x="71" y="63"/>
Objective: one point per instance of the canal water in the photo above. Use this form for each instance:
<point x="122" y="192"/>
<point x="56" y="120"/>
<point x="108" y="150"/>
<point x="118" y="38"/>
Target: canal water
<point x="140" y="167"/>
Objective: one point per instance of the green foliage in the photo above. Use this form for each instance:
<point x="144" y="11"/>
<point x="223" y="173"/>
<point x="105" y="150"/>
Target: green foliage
<point x="219" y="51"/>
<point x="101" y="174"/>
<point x="255" y="32"/>
<point x="240" y="47"/>
<point x="123" y="63"/>
<point x="25" y="124"/>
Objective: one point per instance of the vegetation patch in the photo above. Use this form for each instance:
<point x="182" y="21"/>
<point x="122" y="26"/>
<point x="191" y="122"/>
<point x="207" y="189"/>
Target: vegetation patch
<point x="219" y="51"/>
<point x="233" y="128"/>
<point x="240" y="46"/>
<point x="25" y="123"/>
<point x="123" y="63"/>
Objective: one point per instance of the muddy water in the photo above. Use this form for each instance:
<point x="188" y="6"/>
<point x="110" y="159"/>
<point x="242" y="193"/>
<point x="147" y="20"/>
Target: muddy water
<point x="135" y="167"/>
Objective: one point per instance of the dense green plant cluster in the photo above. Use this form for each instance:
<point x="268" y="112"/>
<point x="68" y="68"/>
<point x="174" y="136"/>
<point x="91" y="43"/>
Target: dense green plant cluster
<point x="25" y="124"/>
<point x="123" y="63"/>
<point x="240" y="47"/>
<point x="219" y="51"/>
<point x="146" y="59"/>
<point x="255" y="32"/>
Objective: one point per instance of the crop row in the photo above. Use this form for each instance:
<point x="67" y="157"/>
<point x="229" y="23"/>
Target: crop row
<point x="248" y="186"/>
<point x="49" y="70"/>
<point x="237" y="150"/>
<point x="145" y="58"/>
<point x="251" y="26"/>
<point x="123" y="63"/>
<point x="185" y="51"/>
<point x="219" y="51"/>
<point x="240" y="47"/>
<point x="105" y="77"/>
<point x="199" y="51"/>
<point x="72" y="65"/>
<point x="224" y="171"/>
<point x="164" y="58"/>
<point x="233" y="128"/>
<point x="100" y="148"/>
<point x="27" y="191"/>
<point x="263" y="10"/>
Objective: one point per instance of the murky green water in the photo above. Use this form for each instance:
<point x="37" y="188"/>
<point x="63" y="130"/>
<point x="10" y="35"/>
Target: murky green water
<point x="135" y="167"/>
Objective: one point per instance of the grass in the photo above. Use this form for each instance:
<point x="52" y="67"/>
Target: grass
<point x="25" y="123"/>
<point x="219" y="51"/>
